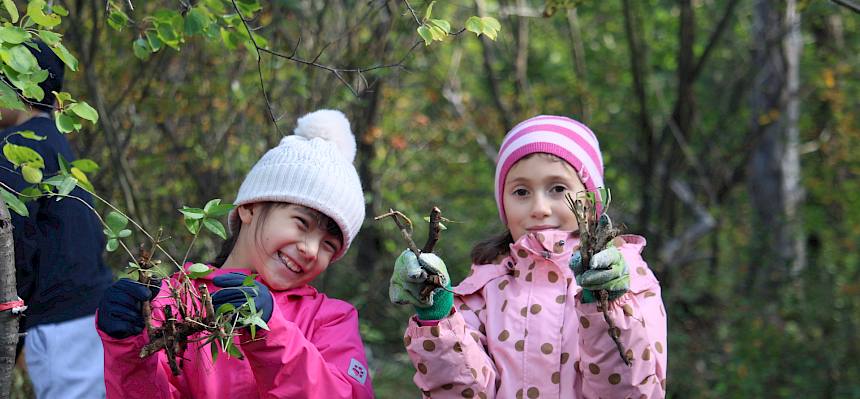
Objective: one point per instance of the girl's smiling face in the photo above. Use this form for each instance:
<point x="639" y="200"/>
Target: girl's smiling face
<point x="288" y="245"/>
<point x="534" y="195"/>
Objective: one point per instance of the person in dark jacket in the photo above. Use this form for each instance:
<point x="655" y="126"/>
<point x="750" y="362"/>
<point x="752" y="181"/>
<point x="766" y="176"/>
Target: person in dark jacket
<point x="58" y="257"/>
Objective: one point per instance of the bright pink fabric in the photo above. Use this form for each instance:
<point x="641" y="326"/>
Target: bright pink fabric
<point x="312" y="351"/>
<point x="520" y="330"/>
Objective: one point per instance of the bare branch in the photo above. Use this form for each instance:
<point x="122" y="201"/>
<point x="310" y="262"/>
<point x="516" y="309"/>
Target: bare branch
<point x="676" y="247"/>
<point x="849" y="5"/>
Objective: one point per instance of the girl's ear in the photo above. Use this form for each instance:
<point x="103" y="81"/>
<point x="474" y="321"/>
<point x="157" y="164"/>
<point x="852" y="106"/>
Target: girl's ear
<point x="246" y="213"/>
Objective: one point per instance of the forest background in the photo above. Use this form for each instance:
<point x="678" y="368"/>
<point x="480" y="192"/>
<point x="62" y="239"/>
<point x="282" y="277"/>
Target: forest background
<point x="729" y="129"/>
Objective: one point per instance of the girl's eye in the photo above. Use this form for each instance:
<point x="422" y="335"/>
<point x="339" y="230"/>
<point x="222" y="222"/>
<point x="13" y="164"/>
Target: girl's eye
<point x="302" y="222"/>
<point x="331" y="245"/>
<point x="521" y="192"/>
<point x="558" y="189"/>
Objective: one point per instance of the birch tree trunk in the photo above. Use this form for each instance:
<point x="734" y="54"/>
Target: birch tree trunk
<point x="8" y="293"/>
<point x="774" y="182"/>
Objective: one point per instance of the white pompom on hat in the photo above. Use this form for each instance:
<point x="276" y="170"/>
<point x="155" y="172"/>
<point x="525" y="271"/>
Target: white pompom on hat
<point x="313" y="168"/>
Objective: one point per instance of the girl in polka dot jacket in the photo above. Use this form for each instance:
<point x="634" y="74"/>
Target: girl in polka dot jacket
<point x="525" y="322"/>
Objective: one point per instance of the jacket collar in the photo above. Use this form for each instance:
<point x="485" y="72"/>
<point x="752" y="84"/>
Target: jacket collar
<point x="552" y="245"/>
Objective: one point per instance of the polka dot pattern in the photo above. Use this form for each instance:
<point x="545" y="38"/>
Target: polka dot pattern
<point x="534" y="288"/>
<point x="546" y="348"/>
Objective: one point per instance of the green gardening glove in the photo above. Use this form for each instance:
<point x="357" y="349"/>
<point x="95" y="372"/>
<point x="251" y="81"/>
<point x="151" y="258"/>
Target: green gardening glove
<point x="607" y="271"/>
<point x="410" y="280"/>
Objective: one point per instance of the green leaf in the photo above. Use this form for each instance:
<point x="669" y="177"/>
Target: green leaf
<point x="67" y="186"/>
<point x="86" y="165"/>
<point x="429" y="11"/>
<point x="249" y="280"/>
<point x="12" y="9"/>
<point x="425" y="34"/>
<point x="60" y="10"/>
<point x="19" y="58"/>
<point x="232" y="350"/>
<point x="31" y="175"/>
<point x="168" y="34"/>
<point x="248" y="7"/>
<point x="491" y="27"/>
<point x="9" y="98"/>
<point x="65" y="55"/>
<point x="29" y="134"/>
<point x="438" y="34"/>
<point x="117" y="20"/>
<point x="225" y="308"/>
<point x="258" y="321"/>
<point x="213" y="349"/>
<point x="62" y="97"/>
<point x="193" y="225"/>
<point x="116" y="221"/>
<point x="64" y="165"/>
<point x="66" y="123"/>
<point x="210" y="205"/>
<point x="196" y="21"/>
<point x="193" y="213"/>
<point x="215" y="227"/>
<point x="85" y="111"/>
<point x="141" y="49"/>
<point x="56" y="180"/>
<point x="219" y="210"/>
<point x="14" y="203"/>
<point x="35" y="10"/>
<point x="50" y="38"/>
<point x="124" y="233"/>
<point x="112" y="245"/>
<point x="474" y="25"/>
<point x="441" y="24"/>
<point x="155" y="43"/>
<point x="198" y="270"/>
<point x="230" y="38"/>
<point x="13" y="35"/>
<point x="30" y="193"/>
<point x="83" y="181"/>
<point x="18" y="155"/>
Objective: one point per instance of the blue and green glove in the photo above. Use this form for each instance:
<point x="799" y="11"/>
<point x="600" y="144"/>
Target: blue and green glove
<point x="607" y="271"/>
<point x="234" y="292"/>
<point x="410" y="283"/>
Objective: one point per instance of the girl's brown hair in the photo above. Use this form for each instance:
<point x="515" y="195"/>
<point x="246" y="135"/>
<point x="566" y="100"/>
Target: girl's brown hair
<point x="265" y="208"/>
<point x="489" y="250"/>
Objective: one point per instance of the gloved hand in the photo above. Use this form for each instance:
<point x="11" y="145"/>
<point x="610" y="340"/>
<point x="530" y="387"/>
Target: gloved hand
<point x="120" y="313"/>
<point x="409" y="279"/>
<point x="233" y="292"/>
<point x="607" y="271"/>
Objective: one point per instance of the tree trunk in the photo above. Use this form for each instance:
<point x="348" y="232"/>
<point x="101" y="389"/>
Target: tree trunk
<point x="8" y="293"/>
<point x="774" y="180"/>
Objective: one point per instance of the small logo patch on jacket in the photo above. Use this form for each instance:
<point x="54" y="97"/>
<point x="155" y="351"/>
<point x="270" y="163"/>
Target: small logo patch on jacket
<point x="357" y="371"/>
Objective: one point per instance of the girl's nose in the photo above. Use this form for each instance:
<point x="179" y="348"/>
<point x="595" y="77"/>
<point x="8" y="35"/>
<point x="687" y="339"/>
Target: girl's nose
<point x="308" y="249"/>
<point x="540" y="206"/>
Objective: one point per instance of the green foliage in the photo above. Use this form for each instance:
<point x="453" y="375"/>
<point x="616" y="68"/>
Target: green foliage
<point x="207" y="217"/>
<point x="434" y="29"/>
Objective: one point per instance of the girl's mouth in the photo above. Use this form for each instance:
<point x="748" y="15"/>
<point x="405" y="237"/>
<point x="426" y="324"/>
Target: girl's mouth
<point x="289" y="264"/>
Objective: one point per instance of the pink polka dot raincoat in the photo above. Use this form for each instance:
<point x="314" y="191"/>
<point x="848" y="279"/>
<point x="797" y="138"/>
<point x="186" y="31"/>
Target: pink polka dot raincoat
<point x="519" y="330"/>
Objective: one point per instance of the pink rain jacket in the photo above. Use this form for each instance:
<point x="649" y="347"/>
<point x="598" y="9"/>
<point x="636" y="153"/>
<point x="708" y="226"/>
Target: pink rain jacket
<point x="312" y="351"/>
<point x="519" y="330"/>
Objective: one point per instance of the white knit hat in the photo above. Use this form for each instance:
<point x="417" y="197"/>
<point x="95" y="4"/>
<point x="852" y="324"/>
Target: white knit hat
<point x="313" y="168"/>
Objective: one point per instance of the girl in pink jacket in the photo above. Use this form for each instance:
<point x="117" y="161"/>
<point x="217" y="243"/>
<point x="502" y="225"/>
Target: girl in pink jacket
<point x="297" y="211"/>
<point x="525" y="322"/>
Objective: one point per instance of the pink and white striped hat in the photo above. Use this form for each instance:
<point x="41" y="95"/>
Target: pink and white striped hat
<point x="563" y="137"/>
